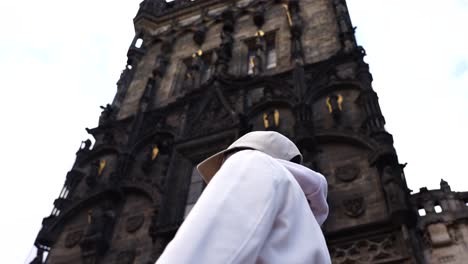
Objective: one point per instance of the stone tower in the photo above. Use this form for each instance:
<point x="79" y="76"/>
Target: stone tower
<point x="201" y="73"/>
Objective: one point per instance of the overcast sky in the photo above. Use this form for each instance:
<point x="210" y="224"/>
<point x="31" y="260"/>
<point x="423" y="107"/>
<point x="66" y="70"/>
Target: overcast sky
<point x="60" y="60"/>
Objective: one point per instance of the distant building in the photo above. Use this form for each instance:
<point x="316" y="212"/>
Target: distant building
<point x="202" y="73"/>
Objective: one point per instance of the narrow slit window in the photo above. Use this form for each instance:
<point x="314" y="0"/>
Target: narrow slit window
<point x="422" y="212"/>
<point x="271" y="57"/>
<point x="138" y="43"/>
<point x="261" y="53"/>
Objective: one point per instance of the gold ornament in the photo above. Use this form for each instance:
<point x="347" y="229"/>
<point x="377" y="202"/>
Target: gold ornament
<point x="154" y="152"/>
<point x="102" y="166"/>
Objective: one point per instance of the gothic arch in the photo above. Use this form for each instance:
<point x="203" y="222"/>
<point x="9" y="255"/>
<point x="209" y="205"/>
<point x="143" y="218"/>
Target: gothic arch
<point x="345" y="137"/>
<point x="314" y="94"/>
<point x="97" y="152"/>
<point x="109" y="194"/>
<point x="150" y="137"/>
<point x="273" y="103"/>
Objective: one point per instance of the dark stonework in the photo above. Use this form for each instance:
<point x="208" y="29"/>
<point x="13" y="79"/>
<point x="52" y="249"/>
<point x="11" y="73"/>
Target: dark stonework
<point x="134" y="223"/>
<point x="355" y="206"/>
<point x="73" y="238"/>
<point x="347" y="173"/>
<point x="186" y="92"/>
<point x="39" y="257"/>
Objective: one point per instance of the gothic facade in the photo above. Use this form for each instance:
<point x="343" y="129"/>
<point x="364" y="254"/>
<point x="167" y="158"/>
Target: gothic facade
<point x="200" y="74"/>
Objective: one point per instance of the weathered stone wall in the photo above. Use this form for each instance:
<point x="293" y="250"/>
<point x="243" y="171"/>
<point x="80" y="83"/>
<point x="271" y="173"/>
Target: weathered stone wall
<point x="442" y="224"/>
<point x="320" y="41"/>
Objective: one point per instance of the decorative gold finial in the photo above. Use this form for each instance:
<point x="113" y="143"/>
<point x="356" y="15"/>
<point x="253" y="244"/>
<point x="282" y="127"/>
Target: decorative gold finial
<point x="266" y="123"/>
<point x="330" y="109"/>
<point x="339" y="101"/>
<point x="198" y="53"/>
<point x="102" y="166"/>
<point x="276" y="116"/>
<point x="154" y="152"/>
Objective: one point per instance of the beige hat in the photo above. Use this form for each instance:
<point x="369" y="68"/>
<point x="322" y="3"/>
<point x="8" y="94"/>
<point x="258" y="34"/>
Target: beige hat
<point x="268" y="142"/>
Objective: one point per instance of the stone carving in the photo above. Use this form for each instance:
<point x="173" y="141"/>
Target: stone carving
<point x="124" y="77"/>
<point x="152" y="6"/>
<point x="107" y="115"/>
<point x="73" y="238"/>
<point x="396" y="197"/>
<point x="151" y="156"/>
<point x="296" y="26"/>
<point x="84" y="147"/>
<point x="354" y="207"/>
<point x="366" y="251"/>
<point x="213" y="117"/>
<point x="134" y="223"/>
<point x="147" y="98"/>
<point x="200" y="34"/>
<point x="99" y="231"/>
<point x="445" y="187"/>
<point x="160" y="69"/>
<point x="335" y="106"/>
<point x="345" y="26"/>
<point x="227" y="42"/>
<point x="257" y="60"/>
<point x="447" y="259"/>
<point x="347" y="173"/>
<point x="343" y="19"/>
<point x="194" y="71"/>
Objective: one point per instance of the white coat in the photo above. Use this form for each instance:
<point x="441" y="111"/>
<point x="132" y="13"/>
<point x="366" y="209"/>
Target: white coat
<point x="254" y="211"/>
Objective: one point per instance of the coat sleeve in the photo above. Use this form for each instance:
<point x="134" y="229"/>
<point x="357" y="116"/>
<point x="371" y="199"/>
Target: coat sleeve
<point x="233" y="216"/>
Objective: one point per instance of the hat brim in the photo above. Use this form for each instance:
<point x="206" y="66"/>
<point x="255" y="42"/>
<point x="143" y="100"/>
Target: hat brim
<point x="211" y="165"/>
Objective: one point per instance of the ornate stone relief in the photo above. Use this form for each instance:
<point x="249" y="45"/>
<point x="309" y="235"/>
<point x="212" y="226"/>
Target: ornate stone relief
<point x="213" y="117"/>
<point x="134" y="223"/>
<point x="85" y="147"/>
<point x="107" y="115"/>
<point x="334" y="104"/>
<point x="354" y="207"/>
<point x="447" y="259"/>
<point x="73" y="238"/>
<point x="347" y="173"/>
<point x="366" y="251"/>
